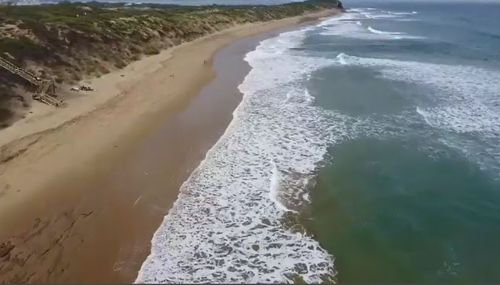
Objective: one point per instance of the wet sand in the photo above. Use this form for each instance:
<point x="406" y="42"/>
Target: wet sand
<point x="84" y="210"/>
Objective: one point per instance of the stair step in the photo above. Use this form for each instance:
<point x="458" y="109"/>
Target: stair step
<point x="42" y="86"/>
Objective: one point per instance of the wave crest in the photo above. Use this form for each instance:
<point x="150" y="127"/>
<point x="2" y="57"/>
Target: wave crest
<point x="227" y="224"/>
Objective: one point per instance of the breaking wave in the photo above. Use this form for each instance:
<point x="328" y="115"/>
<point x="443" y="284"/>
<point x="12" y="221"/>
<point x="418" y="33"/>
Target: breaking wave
<point x="227" y="224"/>
<point x="463" y="102"/>
<point x="350" y="25"/>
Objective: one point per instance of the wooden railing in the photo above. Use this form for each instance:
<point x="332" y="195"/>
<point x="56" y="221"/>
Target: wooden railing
<point x="19" y="71"/>
<point x="44" y="88"/>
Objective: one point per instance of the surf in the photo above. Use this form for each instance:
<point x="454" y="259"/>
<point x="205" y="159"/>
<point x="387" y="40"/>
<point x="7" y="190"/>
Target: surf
<point x="227" y="224"/>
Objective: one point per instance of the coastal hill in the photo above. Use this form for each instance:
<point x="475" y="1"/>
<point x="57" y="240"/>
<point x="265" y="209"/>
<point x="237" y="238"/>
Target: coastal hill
<point x="68" y="42"/>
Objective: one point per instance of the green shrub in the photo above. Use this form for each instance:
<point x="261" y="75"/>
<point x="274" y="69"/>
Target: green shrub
<point x="150" y="50"/>
<point x="120" y="63"/>
<point x="22" y="48"/>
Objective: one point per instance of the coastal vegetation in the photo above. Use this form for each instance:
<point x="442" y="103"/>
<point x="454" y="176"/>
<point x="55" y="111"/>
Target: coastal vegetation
<point x="67" y="42"/>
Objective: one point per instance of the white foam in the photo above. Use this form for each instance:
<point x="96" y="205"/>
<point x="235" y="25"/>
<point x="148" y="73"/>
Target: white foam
<point x="464" y="100"/>
<point x="341" y="58"/>
<point x="299" y="96"/>
<point x="226" y="225"/>
<point x="406" y="20"/>
<point x="274" y="192"/>
<point x="404" y="13"/>
<point x="335" y="20"/>
<point x="349" y="26"/>
<point x="379" y="32"/>
<point x="373" y="13"/>
<point x="467" y="97"/>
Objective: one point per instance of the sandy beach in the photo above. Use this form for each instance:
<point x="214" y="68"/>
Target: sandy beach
<point x="84" y="187"/>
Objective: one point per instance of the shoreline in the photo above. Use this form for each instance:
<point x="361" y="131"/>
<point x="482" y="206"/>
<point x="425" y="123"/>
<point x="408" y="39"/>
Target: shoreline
<point x="58" y="205"/>
<point x="226" y="209"/>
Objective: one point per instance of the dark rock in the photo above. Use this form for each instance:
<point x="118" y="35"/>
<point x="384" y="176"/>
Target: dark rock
<point x="340" y="5"/>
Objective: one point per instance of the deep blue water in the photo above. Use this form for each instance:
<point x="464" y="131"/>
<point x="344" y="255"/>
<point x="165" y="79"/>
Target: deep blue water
<point x="411" y="191"/>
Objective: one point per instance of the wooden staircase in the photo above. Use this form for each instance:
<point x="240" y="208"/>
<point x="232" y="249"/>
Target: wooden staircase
<point x="45" y="89"/>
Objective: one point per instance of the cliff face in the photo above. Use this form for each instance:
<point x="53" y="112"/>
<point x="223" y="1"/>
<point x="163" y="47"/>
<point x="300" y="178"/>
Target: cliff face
<point x="66" y="42"/>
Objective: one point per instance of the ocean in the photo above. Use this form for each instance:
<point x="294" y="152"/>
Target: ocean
<point x="365" y="149"/>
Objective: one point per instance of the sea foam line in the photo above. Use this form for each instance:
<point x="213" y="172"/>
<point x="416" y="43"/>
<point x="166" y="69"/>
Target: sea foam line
<point x="463" y="103"/>
<point x="349" y="25"/>
<point x="224" y="227"/>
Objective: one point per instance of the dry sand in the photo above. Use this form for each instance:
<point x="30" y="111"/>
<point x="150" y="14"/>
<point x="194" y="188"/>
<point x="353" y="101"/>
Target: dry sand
<point x="73" y="208"/>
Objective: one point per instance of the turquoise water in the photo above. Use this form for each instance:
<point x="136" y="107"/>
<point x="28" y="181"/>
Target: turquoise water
<point x="390" y="213"/>
<point x="411" y="193"/>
